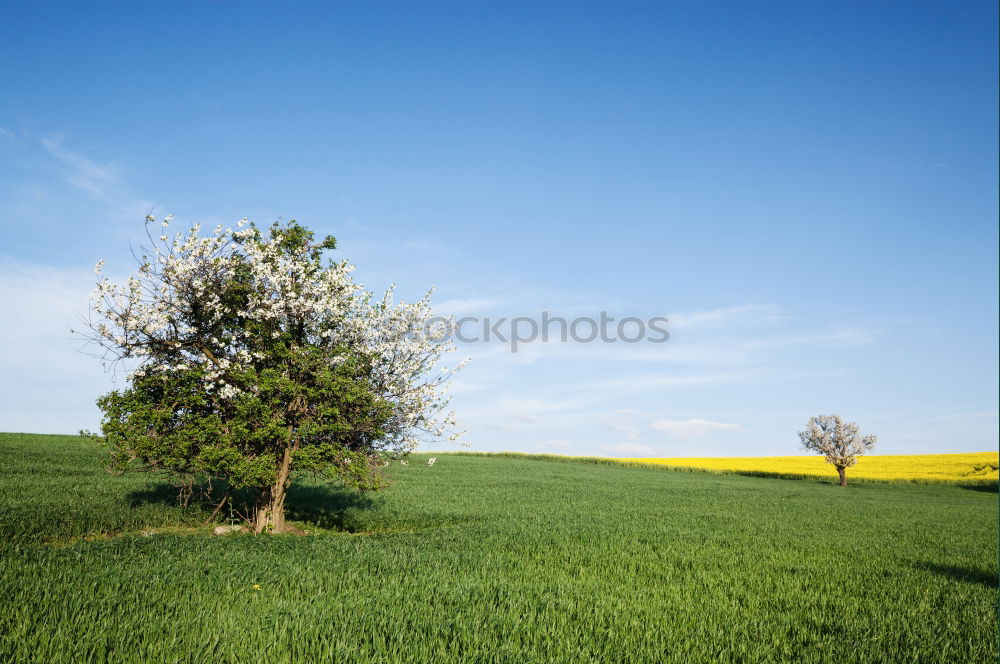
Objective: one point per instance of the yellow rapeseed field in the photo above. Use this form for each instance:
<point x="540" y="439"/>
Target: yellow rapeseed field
<point x="981" y="466"/>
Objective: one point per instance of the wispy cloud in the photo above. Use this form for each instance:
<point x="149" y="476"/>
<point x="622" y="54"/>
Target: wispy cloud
<point x="553" y="446"/>
<point x="600" y="386"/>
<point x="89" y="176"/>
<point x="101" y="181"/>
<point x="470" y="305"/>
<point x="636" y="424"/>
<point x="693" y="428"/>
<point x="709" y="351"/>
<point x="628" y="449"/>
<point x="645" y="381"/>
<point x="838" y="337"/>
<point x="49" y="386"/>
<point x="514" y="413"/>
<point x="624" y="421"/>
<point x="759" y="313"/>
<point x="990" y="414"/>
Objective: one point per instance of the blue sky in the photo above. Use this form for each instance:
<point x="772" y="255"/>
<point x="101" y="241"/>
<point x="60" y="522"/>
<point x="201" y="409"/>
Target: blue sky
<point x="808" y="190"/>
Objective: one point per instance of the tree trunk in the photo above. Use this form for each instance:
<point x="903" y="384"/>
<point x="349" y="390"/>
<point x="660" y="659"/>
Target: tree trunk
<point x="218" y="508"/>
<point x="843" y="475"/>
<point x="270" y="513"/>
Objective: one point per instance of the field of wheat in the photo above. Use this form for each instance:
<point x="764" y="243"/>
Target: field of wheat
<point x="494" y="559"/>
<point x="977" y="467"/>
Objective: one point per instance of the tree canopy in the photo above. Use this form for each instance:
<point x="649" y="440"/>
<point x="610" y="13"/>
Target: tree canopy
<point x="840" y="442"/>
<point x="252" y="359"/>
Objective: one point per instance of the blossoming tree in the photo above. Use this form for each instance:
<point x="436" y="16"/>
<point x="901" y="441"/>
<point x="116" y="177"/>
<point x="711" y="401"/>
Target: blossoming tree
<point x="253" y="359"/>
<point x="840" y="442"/>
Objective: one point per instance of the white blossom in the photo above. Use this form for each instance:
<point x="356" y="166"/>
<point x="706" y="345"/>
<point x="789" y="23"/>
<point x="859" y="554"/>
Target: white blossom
<point x="839" y="441"/>
<point x="149" y="317"/>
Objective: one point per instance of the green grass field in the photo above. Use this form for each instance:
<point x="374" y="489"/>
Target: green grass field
<point x="496" y="559"/>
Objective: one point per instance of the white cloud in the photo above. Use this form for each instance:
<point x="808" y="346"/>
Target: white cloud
<point x="693" y="428"/>
<point x="710" y="351"/>
<point x="462" y="306"/>
<point x="527" y="413"/>
<point x="624" y="421"/>
<point x="49" y="385"/>
<point x="839" y="337"/>
<point x="554" y="446"/>
<point x="630" y="449"/>
<point x="101" y="181"/>
<point x="646" y="381"/>
<point x="84" y="174"/>
<point x="768" y="313"/>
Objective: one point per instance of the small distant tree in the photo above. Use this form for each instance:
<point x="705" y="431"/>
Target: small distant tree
<point x="840" y="442"/>
<point x="253" y="359"/>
